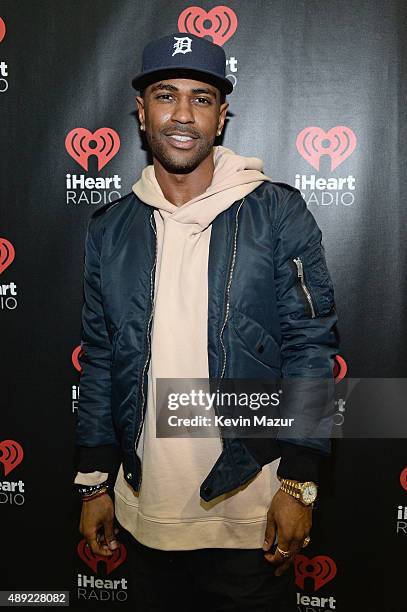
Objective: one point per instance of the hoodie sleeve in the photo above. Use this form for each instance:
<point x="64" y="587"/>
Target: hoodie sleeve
<point x="90" y="478"/>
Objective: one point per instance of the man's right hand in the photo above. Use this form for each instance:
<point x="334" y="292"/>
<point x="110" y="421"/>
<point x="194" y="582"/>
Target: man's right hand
<point x="96" y="525"/>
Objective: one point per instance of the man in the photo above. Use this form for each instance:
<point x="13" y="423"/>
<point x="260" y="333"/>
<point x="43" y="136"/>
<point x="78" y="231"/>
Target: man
<point x="207" y="269"/>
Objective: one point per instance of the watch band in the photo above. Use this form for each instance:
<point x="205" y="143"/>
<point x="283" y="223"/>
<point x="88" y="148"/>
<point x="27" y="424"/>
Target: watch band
<point x="290" y="487"/>
<point x="294" y="488"/>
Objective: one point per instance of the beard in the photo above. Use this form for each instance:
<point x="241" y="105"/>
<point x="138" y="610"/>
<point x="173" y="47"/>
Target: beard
<point x="179" y="163"/>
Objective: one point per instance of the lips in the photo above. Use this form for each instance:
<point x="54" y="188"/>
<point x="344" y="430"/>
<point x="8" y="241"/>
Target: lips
<point x="181" y="140"/>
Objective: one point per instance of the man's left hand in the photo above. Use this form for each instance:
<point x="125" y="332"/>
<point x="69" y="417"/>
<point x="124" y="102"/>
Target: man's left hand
<point x="292" y="521"/>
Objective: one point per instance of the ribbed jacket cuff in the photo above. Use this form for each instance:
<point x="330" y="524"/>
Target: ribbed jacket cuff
<point x="104" y="458"/>
<point x="300" y="462"/>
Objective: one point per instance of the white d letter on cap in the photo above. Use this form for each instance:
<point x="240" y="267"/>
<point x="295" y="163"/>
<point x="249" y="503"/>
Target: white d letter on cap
<point x="182" y="45"/>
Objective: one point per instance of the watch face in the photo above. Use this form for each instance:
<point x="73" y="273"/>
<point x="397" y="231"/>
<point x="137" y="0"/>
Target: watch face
<point x="309" y="493"/>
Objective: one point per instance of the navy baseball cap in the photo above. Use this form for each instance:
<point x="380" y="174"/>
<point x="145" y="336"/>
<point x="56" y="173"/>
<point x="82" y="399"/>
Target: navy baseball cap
<point x="182" y="54"/>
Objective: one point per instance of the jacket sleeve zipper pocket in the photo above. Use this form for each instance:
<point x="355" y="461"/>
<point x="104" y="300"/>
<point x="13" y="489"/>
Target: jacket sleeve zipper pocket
<point x="300" y="274"/>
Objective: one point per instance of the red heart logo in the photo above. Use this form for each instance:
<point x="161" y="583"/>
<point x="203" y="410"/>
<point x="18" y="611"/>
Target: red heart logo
<point x="219" y="23"/>
<point x="11" y="455"/>
<point x="7" y="254"/>
<point x="403" y="479"/>
<point x="118" y="557"/>
<point x="321" y="568"/>
<point x="75" y="357"/>
<point x="339" y="142"/>
<point x="105" y="140"/>
<point x="340" y="368"/>
<point x="2" y="29"/>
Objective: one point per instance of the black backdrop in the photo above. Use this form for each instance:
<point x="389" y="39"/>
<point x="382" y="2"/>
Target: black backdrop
<point x="319" y="92"/>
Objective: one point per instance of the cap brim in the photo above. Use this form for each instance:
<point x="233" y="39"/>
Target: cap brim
<point x="143" y="79"/>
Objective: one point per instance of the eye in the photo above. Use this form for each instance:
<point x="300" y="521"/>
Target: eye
<point x="163" y="96"/>
<point x="167" y="97"/>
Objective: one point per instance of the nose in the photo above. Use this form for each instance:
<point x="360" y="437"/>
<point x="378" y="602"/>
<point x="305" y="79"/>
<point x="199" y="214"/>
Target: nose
<point x="183" y="111"/>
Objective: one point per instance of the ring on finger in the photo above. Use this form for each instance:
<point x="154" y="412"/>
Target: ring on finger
<point x="306" y="542"/>
<point x="285" y="553"/>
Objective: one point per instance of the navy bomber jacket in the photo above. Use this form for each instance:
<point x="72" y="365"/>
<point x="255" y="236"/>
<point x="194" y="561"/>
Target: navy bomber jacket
<point x="271" y="313"/>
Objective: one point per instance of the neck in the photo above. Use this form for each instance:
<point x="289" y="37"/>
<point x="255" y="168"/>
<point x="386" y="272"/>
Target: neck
<point x="180" y="188"/>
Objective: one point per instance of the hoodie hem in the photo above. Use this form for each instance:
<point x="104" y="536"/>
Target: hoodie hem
<point x="190" y="534"/>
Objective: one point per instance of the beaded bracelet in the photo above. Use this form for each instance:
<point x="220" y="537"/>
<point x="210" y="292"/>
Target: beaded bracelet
<point x="86" y="498"/>
<point x="90" y="489"/>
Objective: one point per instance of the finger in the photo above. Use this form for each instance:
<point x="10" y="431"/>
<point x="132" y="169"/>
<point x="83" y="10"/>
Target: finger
<point x="294" y="549"/>
<point x="110" y="536"/>
<point x="101" y="538"/>
<point x="96" y="548"/>
<point x="283" y="567"/>
<point x="276" y="557"/>
<point x="270" y="534"/>
<point x="292" y="546"/>
<point x="93" y="540"/>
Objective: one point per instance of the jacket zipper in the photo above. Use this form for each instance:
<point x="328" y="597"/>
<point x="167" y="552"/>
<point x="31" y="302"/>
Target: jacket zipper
<point x="300" y="274"/>
<point x="227" y="297"/>
<point x="149" y="343"/>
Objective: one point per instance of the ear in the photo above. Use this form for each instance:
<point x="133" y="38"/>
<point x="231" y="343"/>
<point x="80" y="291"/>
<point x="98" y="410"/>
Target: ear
<point x="141" y="111"/>
<point x="222" y="116"/>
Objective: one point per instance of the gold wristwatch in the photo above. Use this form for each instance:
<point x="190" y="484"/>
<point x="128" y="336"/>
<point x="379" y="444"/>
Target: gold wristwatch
<point x="305" y="492"/>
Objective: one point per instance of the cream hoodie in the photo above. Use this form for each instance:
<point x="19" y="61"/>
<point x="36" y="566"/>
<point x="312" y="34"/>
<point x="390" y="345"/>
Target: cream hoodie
<point x="168" y="512"/>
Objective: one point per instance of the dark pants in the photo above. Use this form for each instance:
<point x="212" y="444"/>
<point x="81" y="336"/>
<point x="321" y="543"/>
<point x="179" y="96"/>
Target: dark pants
<point x="210" y="579"/>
